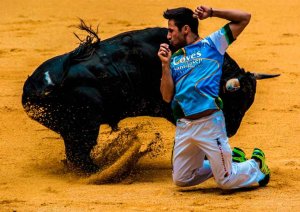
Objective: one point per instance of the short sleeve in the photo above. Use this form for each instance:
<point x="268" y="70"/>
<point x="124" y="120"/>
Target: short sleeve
<point x="221" y="39"/>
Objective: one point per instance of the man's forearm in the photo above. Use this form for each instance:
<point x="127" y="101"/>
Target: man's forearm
<point x="239" y="19"/>
<point x="167" y="84"/>
<point x="231" y="15"/>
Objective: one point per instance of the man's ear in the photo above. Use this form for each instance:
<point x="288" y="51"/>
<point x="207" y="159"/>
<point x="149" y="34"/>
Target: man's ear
<point x="186" y="29"/>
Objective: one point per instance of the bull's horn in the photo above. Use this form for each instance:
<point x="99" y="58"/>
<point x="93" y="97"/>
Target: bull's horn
<point x="260" y="76"/>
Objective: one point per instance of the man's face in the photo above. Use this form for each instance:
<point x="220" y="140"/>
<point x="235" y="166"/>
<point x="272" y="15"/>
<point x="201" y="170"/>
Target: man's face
<point x="175" y="36"/>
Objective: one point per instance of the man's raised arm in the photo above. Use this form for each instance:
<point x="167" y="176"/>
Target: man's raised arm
<point x="238" y="19"/>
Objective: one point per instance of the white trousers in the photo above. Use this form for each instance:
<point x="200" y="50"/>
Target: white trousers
<point x="207" y="136"/>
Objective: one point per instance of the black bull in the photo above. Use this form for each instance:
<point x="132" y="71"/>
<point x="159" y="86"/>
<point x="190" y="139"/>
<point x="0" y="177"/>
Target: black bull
<point x="104" y="82"/>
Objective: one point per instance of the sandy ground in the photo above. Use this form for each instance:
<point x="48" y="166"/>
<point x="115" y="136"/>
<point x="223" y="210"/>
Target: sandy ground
<point x="32" y="176"/>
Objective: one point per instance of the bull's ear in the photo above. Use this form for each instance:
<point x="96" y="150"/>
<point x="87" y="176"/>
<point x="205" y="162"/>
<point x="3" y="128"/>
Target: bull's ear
<point x="127" y="41"/>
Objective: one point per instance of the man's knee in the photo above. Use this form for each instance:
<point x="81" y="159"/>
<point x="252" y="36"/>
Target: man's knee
<point x="181" y="183"/>
<point x="181" y="180"/>
<point x="188" y="181"/>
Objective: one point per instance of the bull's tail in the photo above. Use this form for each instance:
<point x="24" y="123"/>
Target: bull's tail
<point x="260" y="76"/>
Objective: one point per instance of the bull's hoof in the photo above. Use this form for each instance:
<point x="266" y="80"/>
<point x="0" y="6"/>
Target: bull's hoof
<point x="86" y="168"/>
<point x="90" y="168"/>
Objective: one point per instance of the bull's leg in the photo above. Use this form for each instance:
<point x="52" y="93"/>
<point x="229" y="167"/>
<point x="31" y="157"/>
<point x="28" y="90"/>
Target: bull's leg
<point x="78" y="146"/>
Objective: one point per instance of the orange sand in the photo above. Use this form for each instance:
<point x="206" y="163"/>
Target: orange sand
<point x="32" y="176"/>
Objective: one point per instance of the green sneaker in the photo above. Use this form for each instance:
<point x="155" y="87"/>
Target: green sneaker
<point x="258" y="154"/>
<point x="238" y="155"/>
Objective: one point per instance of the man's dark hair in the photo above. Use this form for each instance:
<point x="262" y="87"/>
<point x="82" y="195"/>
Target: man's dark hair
<point x="182" y="16"/>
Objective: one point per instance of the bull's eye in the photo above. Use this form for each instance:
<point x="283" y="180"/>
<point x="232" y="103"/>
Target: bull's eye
<point x="48" y="90"/>
<point x="47" y="93"/>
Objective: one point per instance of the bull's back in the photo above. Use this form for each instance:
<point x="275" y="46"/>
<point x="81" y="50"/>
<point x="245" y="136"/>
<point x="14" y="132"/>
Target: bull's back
<point x="128" y="73"/>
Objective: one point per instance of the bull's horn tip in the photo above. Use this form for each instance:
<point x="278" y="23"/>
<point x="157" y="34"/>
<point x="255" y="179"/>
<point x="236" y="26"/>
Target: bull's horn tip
<point x="265" y="76"/>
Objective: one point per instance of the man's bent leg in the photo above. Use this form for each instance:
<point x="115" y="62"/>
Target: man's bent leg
<point x="189" y="166"/>
<point x="228" y="175"/>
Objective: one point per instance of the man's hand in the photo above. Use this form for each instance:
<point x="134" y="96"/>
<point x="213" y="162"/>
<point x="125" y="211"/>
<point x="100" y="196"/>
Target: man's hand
<point x="164" y="54"/>
<point x="238" y="19"/>
<point x="167" y="84"/>
<point x="203" y="12"/>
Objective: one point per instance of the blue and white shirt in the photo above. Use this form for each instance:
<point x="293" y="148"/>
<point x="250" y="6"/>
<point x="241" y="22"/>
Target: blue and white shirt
<point x="196" y="72"/>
